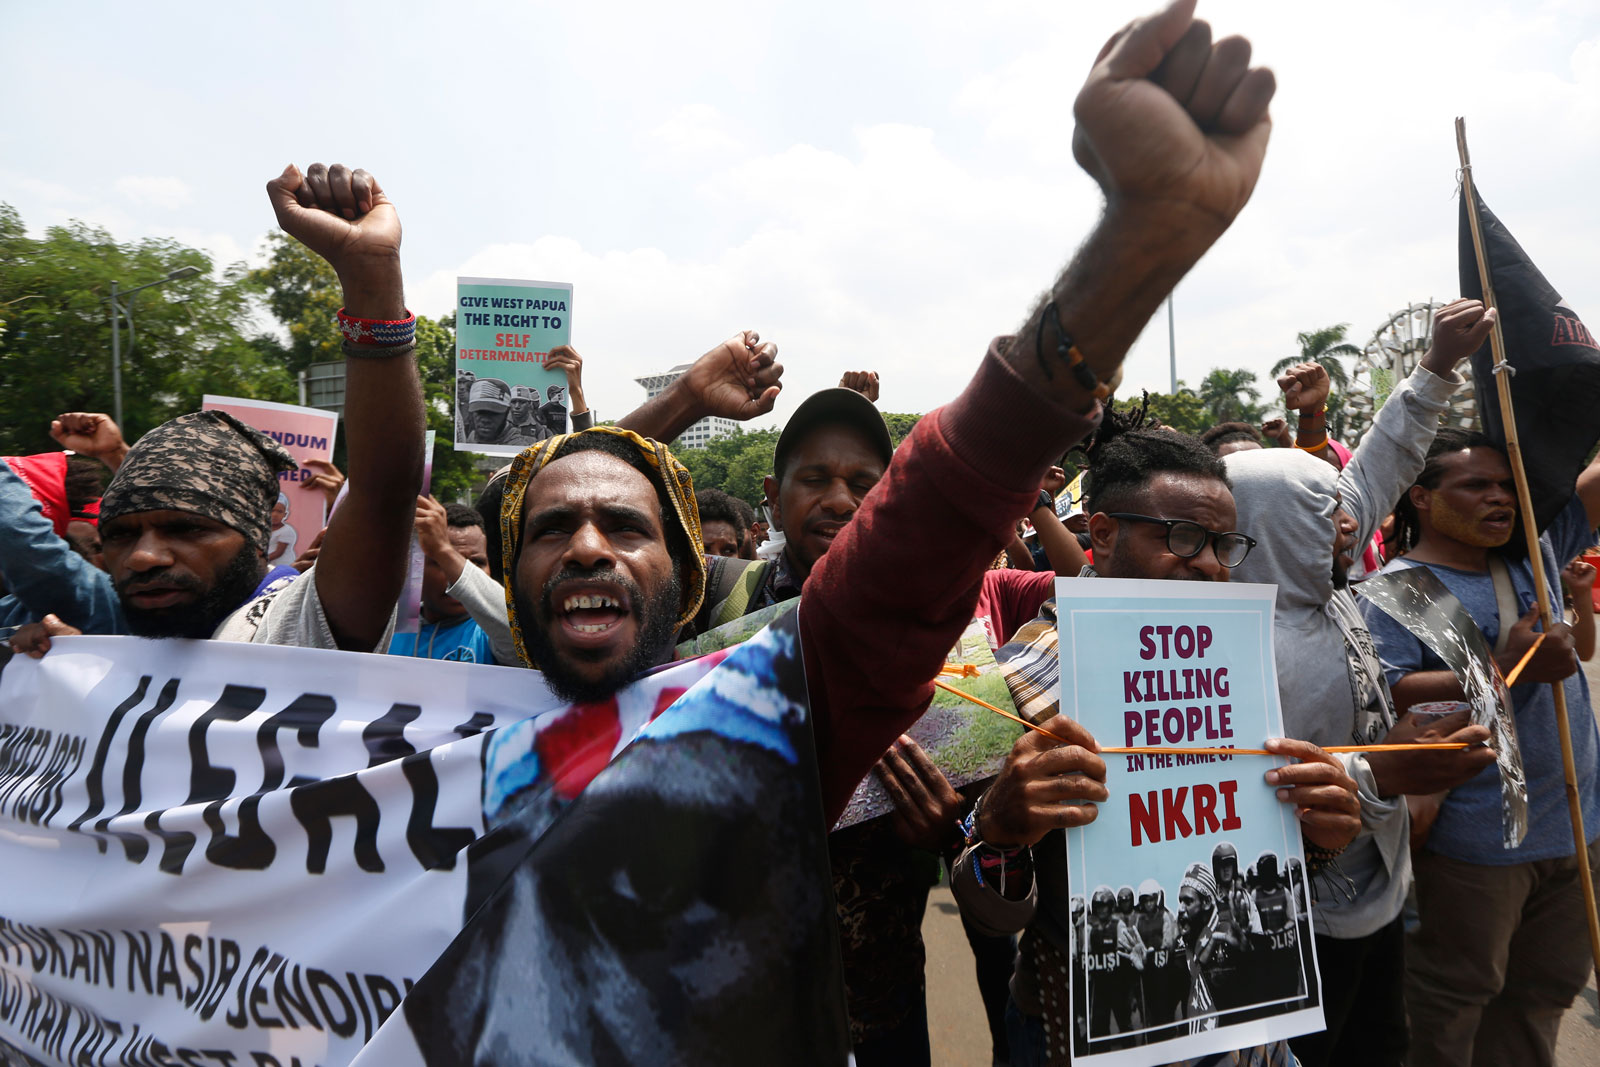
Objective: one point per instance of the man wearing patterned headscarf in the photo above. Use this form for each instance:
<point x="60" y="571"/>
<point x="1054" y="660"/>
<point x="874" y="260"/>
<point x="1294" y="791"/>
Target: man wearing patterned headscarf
<point x="187" y="520"/>
<point x="600" y="540"/>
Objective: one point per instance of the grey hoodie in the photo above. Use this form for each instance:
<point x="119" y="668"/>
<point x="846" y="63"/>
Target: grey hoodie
<point x="1330" y="680"/>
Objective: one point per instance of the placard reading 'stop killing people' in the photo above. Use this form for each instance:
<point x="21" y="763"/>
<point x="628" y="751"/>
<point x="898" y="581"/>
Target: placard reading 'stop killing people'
<point x="1191" y="920"/>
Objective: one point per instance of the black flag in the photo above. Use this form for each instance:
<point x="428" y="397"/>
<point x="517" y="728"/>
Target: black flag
<point x="1556" y="388"/>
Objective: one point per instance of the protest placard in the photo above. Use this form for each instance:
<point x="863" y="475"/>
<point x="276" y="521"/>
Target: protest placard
<point x="1070" y="500"/>
<point x="1194" y="934"/>
<point x="408" y="617"/>
<point x="506" y="399"/>
<point x="306" y="433"/>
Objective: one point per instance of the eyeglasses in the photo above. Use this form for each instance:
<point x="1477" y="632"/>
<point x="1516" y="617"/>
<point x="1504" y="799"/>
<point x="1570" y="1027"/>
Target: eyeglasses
<point x="1188" y="539"/>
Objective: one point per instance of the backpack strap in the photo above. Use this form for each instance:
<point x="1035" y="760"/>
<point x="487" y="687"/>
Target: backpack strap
<point x="1505" y="600"/>
<point x="741" y="590"/>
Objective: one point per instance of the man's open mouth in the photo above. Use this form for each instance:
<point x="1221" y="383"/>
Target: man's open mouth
<point x="588" y="611"/>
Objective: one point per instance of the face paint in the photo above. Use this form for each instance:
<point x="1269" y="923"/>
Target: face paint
<point x="1459" y="526"/>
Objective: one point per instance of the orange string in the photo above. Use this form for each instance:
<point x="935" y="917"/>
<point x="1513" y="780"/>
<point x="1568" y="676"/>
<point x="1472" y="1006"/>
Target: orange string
<point x="1454" y="746"/>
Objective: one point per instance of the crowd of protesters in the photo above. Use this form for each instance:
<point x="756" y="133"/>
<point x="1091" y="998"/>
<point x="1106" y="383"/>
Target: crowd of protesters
<point x="593" y="556"/>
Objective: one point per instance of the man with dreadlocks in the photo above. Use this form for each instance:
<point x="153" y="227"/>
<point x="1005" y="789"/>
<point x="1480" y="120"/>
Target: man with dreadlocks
<point x="1142" y="479"/>
<point x="1331" y="684"/>
<point x="1501" y="949"/>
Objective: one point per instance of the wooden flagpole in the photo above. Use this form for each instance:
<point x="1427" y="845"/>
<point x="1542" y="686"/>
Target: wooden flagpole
<point x="1502" y="379"/>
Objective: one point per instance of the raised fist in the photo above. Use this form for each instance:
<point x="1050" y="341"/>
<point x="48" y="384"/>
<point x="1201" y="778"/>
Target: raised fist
<point x="1305" y="386"/>
<point x="1458" y="331"/>
<point x="739" y="379"/>
<point x="864" y="382"/>
<point x="90" y="434"/>
<point x="1169" y="121"/>
<point x="340" y="214"/>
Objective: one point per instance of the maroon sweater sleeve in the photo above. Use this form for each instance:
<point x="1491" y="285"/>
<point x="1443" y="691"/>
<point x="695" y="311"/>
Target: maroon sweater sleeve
<point x="885" y="605"/>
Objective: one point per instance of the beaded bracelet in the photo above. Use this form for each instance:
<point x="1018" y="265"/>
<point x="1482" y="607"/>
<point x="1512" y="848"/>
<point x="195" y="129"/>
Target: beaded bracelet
<point x="1317" y="858"/>
<point x="377" y="331"/>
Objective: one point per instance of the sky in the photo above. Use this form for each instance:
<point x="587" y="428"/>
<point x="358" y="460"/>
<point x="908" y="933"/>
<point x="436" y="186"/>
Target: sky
<point x="878" y="186"/>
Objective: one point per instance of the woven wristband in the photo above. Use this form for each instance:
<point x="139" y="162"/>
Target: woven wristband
<point x="377" y="331"/>
<point x="378" y="351"/>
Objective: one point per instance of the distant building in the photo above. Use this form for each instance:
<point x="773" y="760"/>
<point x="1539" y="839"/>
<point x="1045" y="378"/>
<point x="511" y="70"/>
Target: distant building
<point x="701" y="433"/>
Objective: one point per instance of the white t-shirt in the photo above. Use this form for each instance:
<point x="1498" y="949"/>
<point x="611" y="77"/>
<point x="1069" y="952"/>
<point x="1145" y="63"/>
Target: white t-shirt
<point x="288" y="613"/>
<point x="285" y="536"/>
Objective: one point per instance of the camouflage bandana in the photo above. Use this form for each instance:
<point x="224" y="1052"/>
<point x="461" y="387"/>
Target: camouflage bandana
<point x="207" y="463"/>
<point x="671" y="475"/>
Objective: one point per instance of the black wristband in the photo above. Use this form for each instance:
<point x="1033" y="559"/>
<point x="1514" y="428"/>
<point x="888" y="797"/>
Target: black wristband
<point x="1045" y="501"/>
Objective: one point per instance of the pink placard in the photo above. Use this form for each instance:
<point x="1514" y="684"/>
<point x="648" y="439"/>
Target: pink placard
<point x="305" y="433"/>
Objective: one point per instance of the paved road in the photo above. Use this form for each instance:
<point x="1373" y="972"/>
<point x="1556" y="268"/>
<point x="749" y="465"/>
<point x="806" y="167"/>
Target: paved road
<point x="960" y="1034"/>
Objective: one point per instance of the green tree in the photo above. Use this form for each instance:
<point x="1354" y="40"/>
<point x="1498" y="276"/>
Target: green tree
<point x="1230" y="396"/>
<point x="736" y="464"/>
<point x="1326" y="347"/>
<point x="302" y="292"/>
<point x="900" y="425"/>
<point x="55" y="353"/>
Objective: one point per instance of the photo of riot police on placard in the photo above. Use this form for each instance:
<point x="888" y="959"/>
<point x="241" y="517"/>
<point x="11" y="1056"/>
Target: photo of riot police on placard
<point x="1229" y="946"/>
<point x="496" y="413"/>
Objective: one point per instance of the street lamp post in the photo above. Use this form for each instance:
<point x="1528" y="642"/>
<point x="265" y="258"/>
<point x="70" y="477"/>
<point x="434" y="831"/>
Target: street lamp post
<point x="116" y="332"/>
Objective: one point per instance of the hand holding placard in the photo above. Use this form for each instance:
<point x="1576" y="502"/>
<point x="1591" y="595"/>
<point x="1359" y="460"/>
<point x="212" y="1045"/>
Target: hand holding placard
<point x="1044" y="785"/>
<point x="1323" y="795"/>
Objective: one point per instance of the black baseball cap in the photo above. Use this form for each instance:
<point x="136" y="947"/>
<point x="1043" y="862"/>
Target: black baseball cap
<point x="837" y="406"/>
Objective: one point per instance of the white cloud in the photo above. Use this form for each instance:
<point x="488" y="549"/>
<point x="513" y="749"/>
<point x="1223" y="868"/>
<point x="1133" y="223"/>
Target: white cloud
<point x="694" y="135"/>
<point x="151" y="191"/>
<point x="890" y="198"/>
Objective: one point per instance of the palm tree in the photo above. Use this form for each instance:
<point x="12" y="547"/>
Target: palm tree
<point x="1230" y="395"/>
<point x="1323" y="346"/>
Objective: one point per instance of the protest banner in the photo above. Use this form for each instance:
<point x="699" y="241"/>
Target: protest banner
<point x="506" y="399"/>
<point x="1219" y="956"/>
<point x="306" y="433"/>
<point x="230" y="853"/>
